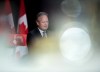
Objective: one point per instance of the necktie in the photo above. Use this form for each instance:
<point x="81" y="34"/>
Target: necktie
<point x="44" y="34"/>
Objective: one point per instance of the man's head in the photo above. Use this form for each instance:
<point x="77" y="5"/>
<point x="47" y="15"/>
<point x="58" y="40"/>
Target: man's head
<point x="42" y="20"/>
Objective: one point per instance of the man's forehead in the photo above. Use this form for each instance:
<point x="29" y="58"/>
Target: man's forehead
<point x="43" y="17"/>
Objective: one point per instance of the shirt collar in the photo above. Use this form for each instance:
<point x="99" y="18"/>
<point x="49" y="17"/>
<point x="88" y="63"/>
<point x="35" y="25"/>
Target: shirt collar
<point x="41" y="31"/>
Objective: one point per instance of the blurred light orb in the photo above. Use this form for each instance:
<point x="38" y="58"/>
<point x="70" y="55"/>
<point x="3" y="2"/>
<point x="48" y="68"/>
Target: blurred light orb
<point x="71" y="8"/>
<point x="75" y="44"/>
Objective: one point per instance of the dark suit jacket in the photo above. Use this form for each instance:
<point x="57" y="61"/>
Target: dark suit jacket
<point x="32" y="35"/>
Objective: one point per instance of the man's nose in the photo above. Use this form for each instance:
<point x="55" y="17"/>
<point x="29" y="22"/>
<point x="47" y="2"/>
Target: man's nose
<point x="46" y="23"/>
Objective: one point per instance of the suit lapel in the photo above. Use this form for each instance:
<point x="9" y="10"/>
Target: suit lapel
<point x="38" y="32"/>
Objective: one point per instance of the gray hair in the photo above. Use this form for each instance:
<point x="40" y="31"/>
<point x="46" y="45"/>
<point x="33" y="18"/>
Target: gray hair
<point x="41" y="14"/>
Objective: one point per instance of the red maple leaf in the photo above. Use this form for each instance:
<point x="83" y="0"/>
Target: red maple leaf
<point x="22" y="29"/>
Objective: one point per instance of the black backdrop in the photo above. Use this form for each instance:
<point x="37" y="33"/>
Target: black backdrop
<point x="53" y="8"/>
<point x="32" y="8"/>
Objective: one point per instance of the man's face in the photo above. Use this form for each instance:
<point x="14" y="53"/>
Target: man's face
<point x="43" y="22"/>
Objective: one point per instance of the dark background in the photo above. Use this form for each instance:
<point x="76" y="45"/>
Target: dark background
<point x="90" y="11"/>
<point x="33" y="7"/>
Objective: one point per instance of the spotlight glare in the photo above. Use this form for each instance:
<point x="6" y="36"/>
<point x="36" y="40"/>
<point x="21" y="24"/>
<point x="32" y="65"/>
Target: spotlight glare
<point x="75" y="44"/>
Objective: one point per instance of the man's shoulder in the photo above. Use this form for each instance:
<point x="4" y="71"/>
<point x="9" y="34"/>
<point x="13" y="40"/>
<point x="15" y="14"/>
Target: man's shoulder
<point x="34" y="31"/>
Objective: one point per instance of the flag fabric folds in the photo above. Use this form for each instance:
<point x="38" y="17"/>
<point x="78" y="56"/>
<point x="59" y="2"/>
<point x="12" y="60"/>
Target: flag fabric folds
<point x="10" y="20"/>
<point x="22" y="21"/>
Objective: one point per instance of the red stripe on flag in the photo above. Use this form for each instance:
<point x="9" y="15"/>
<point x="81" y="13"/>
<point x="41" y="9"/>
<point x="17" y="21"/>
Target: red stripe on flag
<point x="7" y="7"/>
<point x="22" y="8"/>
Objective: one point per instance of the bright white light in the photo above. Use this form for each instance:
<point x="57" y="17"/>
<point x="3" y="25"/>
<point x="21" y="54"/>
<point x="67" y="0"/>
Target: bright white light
<point x="75" y="44"/>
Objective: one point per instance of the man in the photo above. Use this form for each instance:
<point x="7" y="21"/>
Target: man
<point x="41" y="31"/>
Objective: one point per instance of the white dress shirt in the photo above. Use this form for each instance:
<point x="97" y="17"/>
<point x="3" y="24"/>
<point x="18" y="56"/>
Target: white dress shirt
<point x="41" y="32"/>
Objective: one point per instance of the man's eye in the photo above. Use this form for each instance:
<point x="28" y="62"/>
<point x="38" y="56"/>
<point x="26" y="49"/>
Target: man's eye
<point x="42" y="22"/>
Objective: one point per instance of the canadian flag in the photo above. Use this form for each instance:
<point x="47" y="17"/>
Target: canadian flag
<point x="22" y="30"/>
<point x="9" y="17"/>
<point x="22" y="22"/>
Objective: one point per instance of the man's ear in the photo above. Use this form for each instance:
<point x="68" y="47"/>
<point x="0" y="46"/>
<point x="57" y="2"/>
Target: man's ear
<point x="37" y="22"/>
